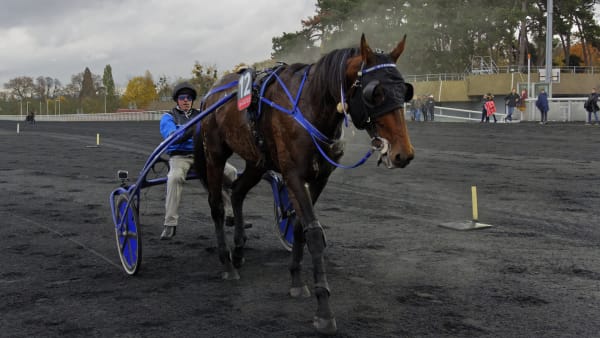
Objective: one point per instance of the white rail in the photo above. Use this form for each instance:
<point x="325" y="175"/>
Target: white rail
<point x="128" y="116"/>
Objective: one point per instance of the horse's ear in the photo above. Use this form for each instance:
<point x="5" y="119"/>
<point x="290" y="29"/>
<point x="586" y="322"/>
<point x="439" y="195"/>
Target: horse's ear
<point x="365" y="50"/>
<point x="395" y="54"/>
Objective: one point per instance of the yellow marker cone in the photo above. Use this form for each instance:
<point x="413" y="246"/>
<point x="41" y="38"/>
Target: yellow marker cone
<point x="474" y="202"/>
<point x="97" y="142"/>
<point x="468" y="225"/>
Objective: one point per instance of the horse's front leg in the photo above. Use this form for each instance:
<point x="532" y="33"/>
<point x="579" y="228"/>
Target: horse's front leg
<point x="217" y="211"/>
<point x="299" y="288"/>
<point x="324" y="320"/>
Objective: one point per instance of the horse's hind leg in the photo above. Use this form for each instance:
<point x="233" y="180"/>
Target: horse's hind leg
<point x="248" y="179"/>
<point x="214" y="176"/>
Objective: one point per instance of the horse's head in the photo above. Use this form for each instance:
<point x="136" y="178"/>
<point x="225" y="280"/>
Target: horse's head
<point x="376" y="102"/>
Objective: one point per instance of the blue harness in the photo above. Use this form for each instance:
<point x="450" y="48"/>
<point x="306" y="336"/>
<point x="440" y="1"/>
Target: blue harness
<point x="317" y="136"/>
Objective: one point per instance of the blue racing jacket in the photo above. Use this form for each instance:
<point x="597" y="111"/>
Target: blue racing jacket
<point x="172" y="121"/>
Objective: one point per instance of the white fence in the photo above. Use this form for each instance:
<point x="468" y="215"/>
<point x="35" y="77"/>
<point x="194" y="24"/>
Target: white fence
<point x="128" y="116"/>
<point x="561" y="110"/>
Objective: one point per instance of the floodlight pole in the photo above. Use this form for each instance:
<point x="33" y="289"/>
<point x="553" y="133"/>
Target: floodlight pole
<point x="549" y="13"/>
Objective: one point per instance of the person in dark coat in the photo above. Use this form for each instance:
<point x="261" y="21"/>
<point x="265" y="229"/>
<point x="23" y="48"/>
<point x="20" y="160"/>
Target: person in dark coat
<point x="512" y="100"/>
<point x="429" y="107"/>
<point x="542" y="104"/>
<point x="591" y="106"/>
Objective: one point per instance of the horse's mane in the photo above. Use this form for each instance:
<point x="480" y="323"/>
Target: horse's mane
<point x="329" y="72"/>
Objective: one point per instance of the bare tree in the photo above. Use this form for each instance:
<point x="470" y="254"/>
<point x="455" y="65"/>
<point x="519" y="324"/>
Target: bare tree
<point x="21" y="87"/>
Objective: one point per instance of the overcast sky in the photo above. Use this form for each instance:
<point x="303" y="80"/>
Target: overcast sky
<point x="60" y="38"/>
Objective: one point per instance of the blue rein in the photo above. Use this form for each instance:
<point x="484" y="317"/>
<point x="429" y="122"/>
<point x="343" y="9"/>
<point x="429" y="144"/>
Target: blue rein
<point x="316" y="136"/>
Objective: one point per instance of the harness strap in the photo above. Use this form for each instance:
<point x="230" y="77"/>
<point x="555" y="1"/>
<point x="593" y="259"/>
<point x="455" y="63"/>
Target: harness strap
<point x="376" y="67"/>
<point x="220" y="89"/>
<point x="295" y="111"/>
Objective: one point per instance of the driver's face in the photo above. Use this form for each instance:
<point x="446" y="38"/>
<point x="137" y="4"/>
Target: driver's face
<point x="184" y="102"/>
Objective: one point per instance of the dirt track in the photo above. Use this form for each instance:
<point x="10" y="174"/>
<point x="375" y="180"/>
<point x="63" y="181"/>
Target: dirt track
<point x="393" y="270"/>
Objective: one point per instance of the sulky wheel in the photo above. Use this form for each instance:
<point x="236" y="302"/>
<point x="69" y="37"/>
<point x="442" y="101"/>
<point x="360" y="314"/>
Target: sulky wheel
<point x="285" y="216"/>
<point x="129" y="240"/>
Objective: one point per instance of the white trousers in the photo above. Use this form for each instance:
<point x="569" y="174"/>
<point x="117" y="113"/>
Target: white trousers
<point x="179" y="166"/>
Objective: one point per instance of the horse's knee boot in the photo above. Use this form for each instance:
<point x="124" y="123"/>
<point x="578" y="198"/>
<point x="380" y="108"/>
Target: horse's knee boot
<point x="315" y="238"/>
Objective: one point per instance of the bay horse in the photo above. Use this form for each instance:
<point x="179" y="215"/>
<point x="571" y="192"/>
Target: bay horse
<point x="296" y="132"/>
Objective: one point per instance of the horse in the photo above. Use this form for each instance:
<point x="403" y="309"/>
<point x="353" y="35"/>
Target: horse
<point x="294" y="128"/>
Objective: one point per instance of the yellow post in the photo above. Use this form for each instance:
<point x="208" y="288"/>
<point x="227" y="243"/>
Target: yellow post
<point x="98" y="139"/>
<point x="474" y="201"/>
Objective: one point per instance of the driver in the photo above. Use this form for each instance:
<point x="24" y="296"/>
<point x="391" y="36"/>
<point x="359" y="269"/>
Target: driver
<point x="181" y="158"/>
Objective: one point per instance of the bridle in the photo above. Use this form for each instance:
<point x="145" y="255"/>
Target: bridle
<point x="376" y="91"/>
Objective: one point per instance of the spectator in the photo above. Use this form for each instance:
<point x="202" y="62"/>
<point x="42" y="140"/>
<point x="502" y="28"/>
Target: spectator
<point x="512" y="100"/>
<point x="490" y="108"/>
<point x="421" y="103"/>
<point x="542" y="104"/>
<point x="523" y="101"/>
<point x="591" y="106"/>
<point x="483" y="111"/>
<point x="416" y="108"/>
<point x="429" y="107"/>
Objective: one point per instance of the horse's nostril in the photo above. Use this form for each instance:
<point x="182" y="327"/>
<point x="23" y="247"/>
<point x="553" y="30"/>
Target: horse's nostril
<point x="400" y="159"/>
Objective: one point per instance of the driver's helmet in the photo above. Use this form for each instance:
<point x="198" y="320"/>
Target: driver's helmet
<point x="184" y="88"/>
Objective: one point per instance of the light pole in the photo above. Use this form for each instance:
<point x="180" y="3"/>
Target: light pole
<point x="21" y="104"/>
<point x="103" y="90"/>
<point x="27" y="105"/>
<point x="549" y="13"/>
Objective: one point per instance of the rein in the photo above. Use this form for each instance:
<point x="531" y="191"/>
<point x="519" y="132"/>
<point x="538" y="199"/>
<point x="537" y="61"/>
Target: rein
<point x="316" y="135"/>
<point x="378" y="144"/>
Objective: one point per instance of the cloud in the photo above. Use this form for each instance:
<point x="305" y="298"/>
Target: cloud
<point x="61" y="38"/>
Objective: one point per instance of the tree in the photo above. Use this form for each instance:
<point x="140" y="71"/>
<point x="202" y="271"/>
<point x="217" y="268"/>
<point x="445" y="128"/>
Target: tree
<point x="203" y="77"/>
<point x="140" y="91"/>
<point x="443" y="35"/>
<point x="164" y="89"/>
<point x="109" y="89"/>
<point x="88" y="90"/>
<point x="21" y="87"/>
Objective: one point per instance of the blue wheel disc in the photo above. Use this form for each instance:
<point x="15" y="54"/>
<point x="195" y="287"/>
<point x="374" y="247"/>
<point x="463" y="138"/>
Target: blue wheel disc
<point x="285" y="217"/>
<point x="128" y="235"/>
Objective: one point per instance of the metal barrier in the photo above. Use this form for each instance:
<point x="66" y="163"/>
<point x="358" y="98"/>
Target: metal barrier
<point x="126" y="116"/>
<point x="568" y="109"/>
<point x="561" y="110"/>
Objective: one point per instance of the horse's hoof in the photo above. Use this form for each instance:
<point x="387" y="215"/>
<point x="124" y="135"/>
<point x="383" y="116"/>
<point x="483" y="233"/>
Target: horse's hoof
<point x="302" y="291"/>
<point x="230" y="275"/>
<point x="325" y="326"/>
<point x="238" y="262"/>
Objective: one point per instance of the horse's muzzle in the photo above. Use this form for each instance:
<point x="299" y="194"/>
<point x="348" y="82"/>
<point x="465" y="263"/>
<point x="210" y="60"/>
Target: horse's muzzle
<point x="397" y="161"/>
<point x="391" y="161"/>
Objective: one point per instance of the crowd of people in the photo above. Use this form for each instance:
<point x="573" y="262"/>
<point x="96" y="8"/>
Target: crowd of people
<point x="425" y="104"/>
